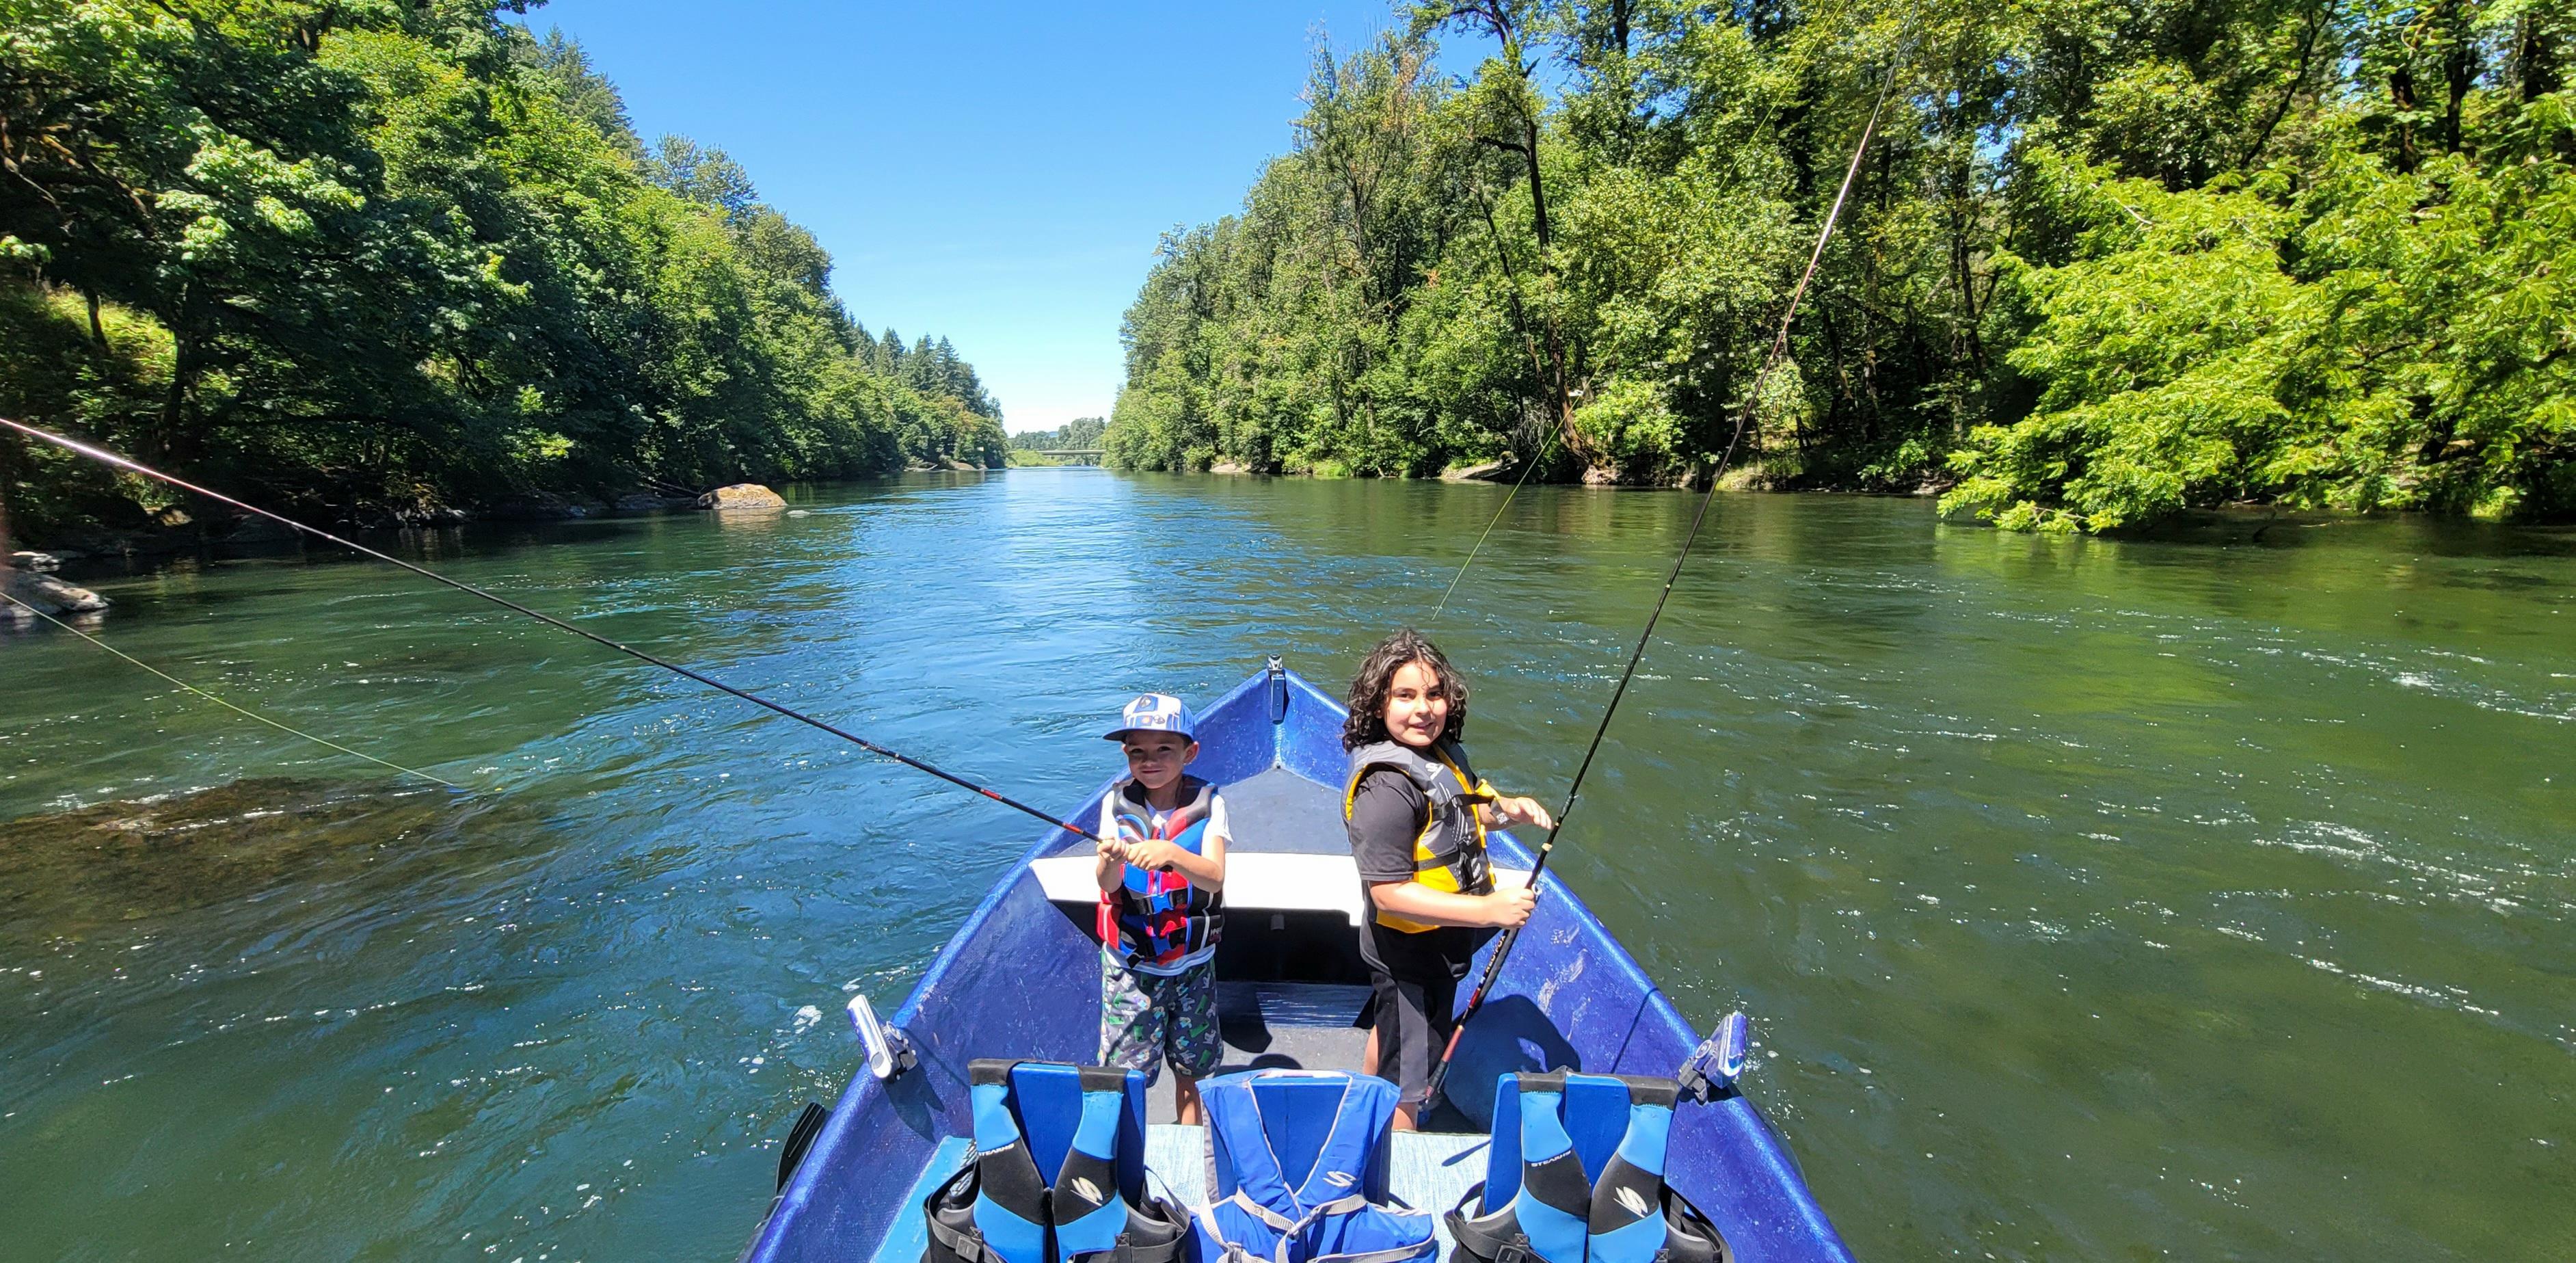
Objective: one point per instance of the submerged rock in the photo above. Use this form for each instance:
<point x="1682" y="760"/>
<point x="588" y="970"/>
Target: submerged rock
<point x="259" y="532"/>
<point x="540" y="506"/>
<point x="742" y="495"/>
<point x="652" y="502"/>
<point x="53" y="596"/>
<point x="65" y="875"/>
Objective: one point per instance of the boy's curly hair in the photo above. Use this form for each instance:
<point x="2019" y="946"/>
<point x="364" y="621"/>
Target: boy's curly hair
<point x="1367" y="722"/>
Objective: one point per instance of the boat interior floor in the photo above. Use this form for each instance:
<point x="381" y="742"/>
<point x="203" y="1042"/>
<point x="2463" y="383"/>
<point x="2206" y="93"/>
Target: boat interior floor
<point x="1282" y="813"/>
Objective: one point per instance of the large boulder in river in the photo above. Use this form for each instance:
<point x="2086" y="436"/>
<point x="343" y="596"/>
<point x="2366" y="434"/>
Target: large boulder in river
<point x="51" y="595"/>
<point x="742" y="495"/>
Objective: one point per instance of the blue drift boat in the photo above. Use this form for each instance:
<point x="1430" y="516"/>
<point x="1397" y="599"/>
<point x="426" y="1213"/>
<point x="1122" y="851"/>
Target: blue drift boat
<point x="1021" y="980"/>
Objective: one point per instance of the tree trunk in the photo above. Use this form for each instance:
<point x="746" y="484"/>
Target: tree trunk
<point x="2535" y="57"/>
<point x="2401" y="92"/>
<point x="2459" y="70"/>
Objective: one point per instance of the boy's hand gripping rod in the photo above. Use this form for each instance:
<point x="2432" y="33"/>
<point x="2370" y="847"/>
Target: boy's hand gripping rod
<point x="112" y="459"/>
<point x="1743" y="419"/>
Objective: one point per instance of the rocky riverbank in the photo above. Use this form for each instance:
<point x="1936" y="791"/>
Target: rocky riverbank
<point x="30" y="576"/>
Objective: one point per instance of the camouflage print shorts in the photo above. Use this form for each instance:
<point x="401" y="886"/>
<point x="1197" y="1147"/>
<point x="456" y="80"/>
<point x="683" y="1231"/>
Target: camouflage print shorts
<point x="1147" y="1019"/>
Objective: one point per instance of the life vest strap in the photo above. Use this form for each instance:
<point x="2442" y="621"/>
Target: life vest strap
<point x="1399" y="1254"/>
<point x="1491" y="1238"/>
<point x="1261" y="1212"/>
<point x="963" y="1243"/>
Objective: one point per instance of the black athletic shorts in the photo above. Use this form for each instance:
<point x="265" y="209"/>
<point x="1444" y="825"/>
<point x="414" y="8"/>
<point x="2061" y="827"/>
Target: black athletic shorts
<point x="1414" y="980"/>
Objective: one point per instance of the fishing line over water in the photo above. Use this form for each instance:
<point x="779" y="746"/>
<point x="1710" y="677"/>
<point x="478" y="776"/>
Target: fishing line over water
<point x="121" y="462"/>
<point x="242" y="711"/>
<point x="1743" y="420"/>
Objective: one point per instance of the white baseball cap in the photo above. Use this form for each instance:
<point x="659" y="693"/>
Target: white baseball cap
<point x="1154" y="712"/>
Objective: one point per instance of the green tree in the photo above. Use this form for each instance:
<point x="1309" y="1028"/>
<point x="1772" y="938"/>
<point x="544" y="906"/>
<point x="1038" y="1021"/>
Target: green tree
<point x="2104" y="262"/>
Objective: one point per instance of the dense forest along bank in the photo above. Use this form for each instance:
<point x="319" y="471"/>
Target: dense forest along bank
<point x="2092" y="898"/>
<point x="387" y="263"/>
<point x="2095" y="269"/>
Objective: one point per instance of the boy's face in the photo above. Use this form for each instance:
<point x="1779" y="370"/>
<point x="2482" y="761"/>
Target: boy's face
<point x="1417" y="705"/>
<point x="1155" y="759"/>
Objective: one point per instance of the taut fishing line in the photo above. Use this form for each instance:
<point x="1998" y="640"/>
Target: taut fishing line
<point x="1544" y="448"/>
<point x="243" y="711"/>
<point x="120" y="462"/>
<point x="1743" y="419"/>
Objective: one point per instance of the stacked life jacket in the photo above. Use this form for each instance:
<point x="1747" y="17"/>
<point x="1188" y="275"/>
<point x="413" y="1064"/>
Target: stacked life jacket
<point x="1159" y="922"/>
<point x="1449" y="853"/>
<point x="1300" y="1166"/>
<point x="1033" y="1196"/>
<point x="1576" y="1175"/>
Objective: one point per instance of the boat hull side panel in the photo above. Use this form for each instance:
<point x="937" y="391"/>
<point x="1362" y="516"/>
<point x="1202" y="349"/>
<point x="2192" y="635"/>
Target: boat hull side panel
<point x="1571" y="997"/>
<point x="1310" y="736"/>
<point x="1018" y="980"/>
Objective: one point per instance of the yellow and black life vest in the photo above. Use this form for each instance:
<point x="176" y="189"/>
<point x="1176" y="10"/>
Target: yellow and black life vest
<point x="1449" y="853"/>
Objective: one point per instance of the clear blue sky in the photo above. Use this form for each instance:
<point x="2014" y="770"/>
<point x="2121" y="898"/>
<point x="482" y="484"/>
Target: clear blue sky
<point x="994" y="172"/>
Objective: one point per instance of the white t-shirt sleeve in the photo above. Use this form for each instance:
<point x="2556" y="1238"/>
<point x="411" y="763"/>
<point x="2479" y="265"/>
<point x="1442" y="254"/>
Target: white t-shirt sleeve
<point x="1108" y="816"/>
<point x="1217" y="826"/>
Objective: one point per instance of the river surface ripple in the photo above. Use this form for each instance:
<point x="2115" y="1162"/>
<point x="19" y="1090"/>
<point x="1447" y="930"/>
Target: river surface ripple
<point x="2206" y="897"/>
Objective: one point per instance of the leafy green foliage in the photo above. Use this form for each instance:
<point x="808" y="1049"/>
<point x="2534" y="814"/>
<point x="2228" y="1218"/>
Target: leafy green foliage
<point x="2104" y="262"/>
<point x="372" y="257"/>
<point x="1079" y="434"/>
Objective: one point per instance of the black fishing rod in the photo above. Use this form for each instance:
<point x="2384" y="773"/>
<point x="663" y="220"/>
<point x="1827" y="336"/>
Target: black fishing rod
<point x="112" y="459"/>
<point x="1743" y="419"/>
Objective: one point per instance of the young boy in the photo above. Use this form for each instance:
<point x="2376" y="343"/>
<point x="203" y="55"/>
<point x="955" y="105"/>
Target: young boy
<point x="1161" y="874"/>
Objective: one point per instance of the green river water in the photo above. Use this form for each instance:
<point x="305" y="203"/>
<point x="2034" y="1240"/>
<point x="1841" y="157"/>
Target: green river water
<point x="2204" y="898"/>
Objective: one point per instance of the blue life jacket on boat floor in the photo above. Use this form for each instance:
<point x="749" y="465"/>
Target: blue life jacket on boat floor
<point x="1576" y="1175"/>
<point x="1058" y="1175"/>
<point x="1299" y="1160"/>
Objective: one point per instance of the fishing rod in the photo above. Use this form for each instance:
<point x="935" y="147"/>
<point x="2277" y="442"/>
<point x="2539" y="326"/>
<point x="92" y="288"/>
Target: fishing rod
<point x="120" y="462"/>
<point x="1743" y="419"/>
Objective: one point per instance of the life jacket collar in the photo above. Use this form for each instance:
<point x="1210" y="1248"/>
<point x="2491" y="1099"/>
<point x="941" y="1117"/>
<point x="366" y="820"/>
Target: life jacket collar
<point x="1449" y="852"/>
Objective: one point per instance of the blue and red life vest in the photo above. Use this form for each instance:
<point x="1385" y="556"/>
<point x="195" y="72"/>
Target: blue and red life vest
<point x="1159" y="921"/>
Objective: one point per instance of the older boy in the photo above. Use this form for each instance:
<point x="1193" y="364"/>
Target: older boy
<point x="1161" y="874"/>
